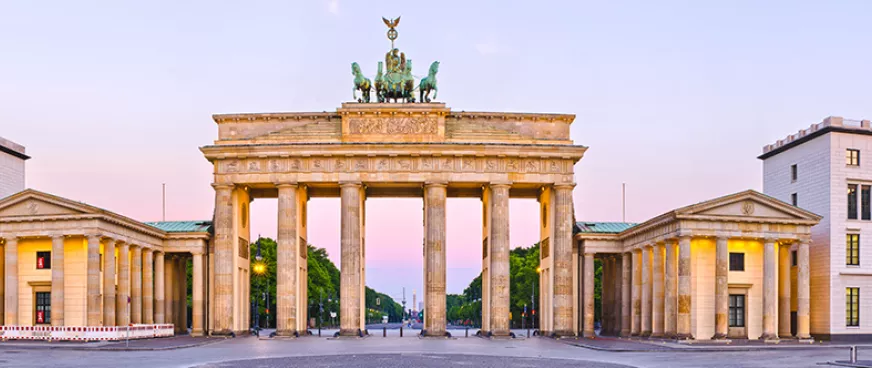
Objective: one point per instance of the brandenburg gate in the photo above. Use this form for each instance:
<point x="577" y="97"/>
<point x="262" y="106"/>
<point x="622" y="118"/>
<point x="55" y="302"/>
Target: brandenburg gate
<point x="398" y="148"/>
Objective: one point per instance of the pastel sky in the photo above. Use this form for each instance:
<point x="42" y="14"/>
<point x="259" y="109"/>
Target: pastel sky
<point x="674" y="98"/>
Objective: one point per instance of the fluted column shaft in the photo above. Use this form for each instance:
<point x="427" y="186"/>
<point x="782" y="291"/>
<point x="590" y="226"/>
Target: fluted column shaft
<point x="57" y="280"/>
<point x="10" y="306"/>
<point x="159" y="289"/>
<point x="657" y="295"/>
<point x="770" y="290"/>
<point x="286" y="261"/>
<point x="169" y="292"/>
<point x="588" y="328"/>
<point x="109" y="283"/>
<point x="499" y="262"/>
<point x="435" y="259"/>
<point x="147" y="286"/>
<point x="803" y="291"/>
<point x="684" y="289"/>
<point x="617" y="295"/>
<point x="670" y="290"/>
<point x="605" y="311"/>
<point x="636" y="327"/>
<point x="197" y="297"/>
<point x="646" y="291"/>
<point x="626" y="293"/>
<point x="225" y="251"/>
<point x="722" y="297"/>
<point x="122" y="306"/>
<point x="350" y="276"/>
<point x="182" y="294"/>
<point x="95" y="311"/>
<point x="136" y="286"/>
<point x="562" y="258"/>
<point x="783" y="290"/>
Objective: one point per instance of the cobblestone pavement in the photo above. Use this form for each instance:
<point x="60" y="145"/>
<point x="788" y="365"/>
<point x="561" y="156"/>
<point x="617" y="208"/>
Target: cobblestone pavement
<point x="412" y="360"/>
<point x="429" y="352"/>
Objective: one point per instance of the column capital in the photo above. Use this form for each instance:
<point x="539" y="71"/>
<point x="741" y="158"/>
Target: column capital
<point x="93" y="235"/>
<point x="287" y="184"/>
<point x="55" y="235"/>
<point x="219" y="186"/>
<point x="435" y="183"/>
<point x="569" y="186"/>
<point x="770" y="239"/>
<point x="350" y="184"/>
<point x="500" y="184"/>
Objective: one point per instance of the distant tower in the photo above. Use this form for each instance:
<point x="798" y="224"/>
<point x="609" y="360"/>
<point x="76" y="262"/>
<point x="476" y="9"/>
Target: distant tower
<point x="415" y="300"/>
<point x="12" y="159"/>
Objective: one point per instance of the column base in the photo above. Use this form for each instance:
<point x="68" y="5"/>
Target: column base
<point x="719" y="336"/>
<point x="351" y="332"/>
<point x="198" y="333"/>
<point x="435" y="333"/>
<point x="657" y="335"/>
<point x="682" y="336"/>
<point x="646" y="334"/>
<point x="624" y="333"/>
<point x="769" y="338"/>
<point x="288" y="333"/>
<point x="227" y="332"/>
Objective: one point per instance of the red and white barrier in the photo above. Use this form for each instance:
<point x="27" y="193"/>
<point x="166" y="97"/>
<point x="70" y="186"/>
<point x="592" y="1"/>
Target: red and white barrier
<point x="78" y="333"/>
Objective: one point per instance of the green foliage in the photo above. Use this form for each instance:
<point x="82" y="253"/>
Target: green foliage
<point x="259" y="282"/>
<point x="387" y="306"/>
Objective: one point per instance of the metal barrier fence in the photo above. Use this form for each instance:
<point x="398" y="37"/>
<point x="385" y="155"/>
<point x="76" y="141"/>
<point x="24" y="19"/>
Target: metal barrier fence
<point x="79" y="333"/>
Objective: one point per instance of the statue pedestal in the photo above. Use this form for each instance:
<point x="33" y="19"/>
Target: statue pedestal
<point x="383" y="122"/>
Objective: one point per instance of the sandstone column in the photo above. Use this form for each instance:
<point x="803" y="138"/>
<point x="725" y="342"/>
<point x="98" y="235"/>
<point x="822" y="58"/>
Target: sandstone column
<point x="197" y="297"/>
<point x="225" y="251"/>
<point x="802" y="291"/>
<point x="783" y="291"/>
<point x="148" y="286"/>
<point x="605" y="296"/>
<point x="286" y="261"/>
<point x="670" y="291"/>
<point x="646" y="291"/>
<point x="770" y="290"/>
<point x="169" y="293"/>
<point x="657" y="293"/>
<point x="588" y="328"/>
<point x="350" y="302"/>
<point x="562" y="258"/>
<point x="122" y="306"/>
<point x="95" y="311"/>
<point x="626" y="293"/>
<point x="159" y="288"/>
<point x="182" y="293"/>
<point x="499" y="266"/>
<point x="11" y="282"/>
<point x="722" y="297"/>
<point x="684" y="289"/>
<point x="636" y="327"/>
<point x="109" y="283"/>
<point x="57" y="280"/>
<point x="434" y="258"/>
<point x="617" y="296"/>
<point x="136" y="286"/>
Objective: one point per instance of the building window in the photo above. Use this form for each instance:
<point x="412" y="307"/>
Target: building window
<point x="793" y="199"/>
<point x="852" y="306"/>
<point x="853" y="250"/>
<point x="865" y="210"/>
<point x="43" y="260"/>
<point x="852" y="157"/>
<point x="852" y="201"/>
<point x="737" y="261"/>
<point x="737" y="310"/>
<point x="43" y="308"/>
<point x="793" y="173"/>
<point x="793" y="258"/>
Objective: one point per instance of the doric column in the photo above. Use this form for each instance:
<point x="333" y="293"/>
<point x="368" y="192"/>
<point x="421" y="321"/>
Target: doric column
<point x="95" y="311"/>
<point x="770" y="289"/>
<point x="802" y="291"/>
<point x="225" y="252"/>
<point x="562" y="258"/>
<point x="122" y="306"/>
<point x="657" y="290"/>
<point x="670" y="290"/>
<point x="350" y="298"/>
<point x="182" y="276"/>
<point x="499" y="266"/>
<point x="10" y="305"/>
<point x="626" y="293"/>
<point x="286" y="261"/>
<point x="159" y="289"/>
<point x="57" y="280"/>
<point x="617" y="283"/>
<point x="783" y="290"/>
<point x="722" y="297"/>
<point x="646" y="291"/>
<point x="588" y="328"/>
<point x="169" y="293"/>
<point x="684" y="289"/>
<point x="434" y="258"/>
<point x="147" y="286"/>
<point x="109" y="283"/>
<point x="197" y="297"/>
<point x="136" y="286"/>
<point x="636" y="327"/>
<point x="605" y="296"/>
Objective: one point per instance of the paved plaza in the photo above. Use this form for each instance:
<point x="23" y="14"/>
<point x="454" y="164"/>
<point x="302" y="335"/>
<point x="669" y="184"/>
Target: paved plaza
<point x="411" y="351"/>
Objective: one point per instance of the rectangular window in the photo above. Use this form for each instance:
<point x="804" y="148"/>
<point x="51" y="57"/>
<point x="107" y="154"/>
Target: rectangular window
<point x="793" y="258"/>
<point x="737" y="310"/>
<point x="793" y="173"/>
<point x="43" y="308"/>
<point x="793" y="199"/>
<point x="852" y="306"/>
<point x="853" y="250"/>
<point x="43" y="260"/>
<point x="865" y="210"/>
<point x="737" y="261"/>
<point x="852" y="157"/>
<point x="852" y="201"/>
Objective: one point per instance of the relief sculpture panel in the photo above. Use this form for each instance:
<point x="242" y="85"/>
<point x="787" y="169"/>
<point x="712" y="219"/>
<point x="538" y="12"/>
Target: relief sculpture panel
<point x="394" y="125"/>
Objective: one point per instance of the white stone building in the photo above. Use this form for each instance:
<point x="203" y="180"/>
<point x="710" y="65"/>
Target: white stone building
<point x="12" y="159"/>
<point x="822" y="169"/>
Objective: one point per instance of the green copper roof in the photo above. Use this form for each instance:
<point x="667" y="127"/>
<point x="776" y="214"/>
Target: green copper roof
<point x="182" y="226"/>
<point x="601" y="227"/>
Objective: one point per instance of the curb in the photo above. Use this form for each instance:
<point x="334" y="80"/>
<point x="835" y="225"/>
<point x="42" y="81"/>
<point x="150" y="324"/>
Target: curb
<point x="672" y="349"/>
<point x="104" y="348"/>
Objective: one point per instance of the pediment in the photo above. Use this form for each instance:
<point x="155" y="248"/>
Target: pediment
<point x="33" y="203"/>
<point x="748" y="204"/>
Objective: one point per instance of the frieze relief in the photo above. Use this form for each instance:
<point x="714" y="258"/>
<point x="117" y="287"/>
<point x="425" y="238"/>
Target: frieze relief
<point x="396" y="164"/>
<point x="405" y="125"/>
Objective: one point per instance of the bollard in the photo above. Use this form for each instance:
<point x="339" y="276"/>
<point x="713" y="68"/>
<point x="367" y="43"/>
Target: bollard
<point x="401" y="331"/>
<point x="853" y="354"/>
<point x="467" y="332"/>
<point x="384" y="332"/>
<point x="528" y="333"/>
